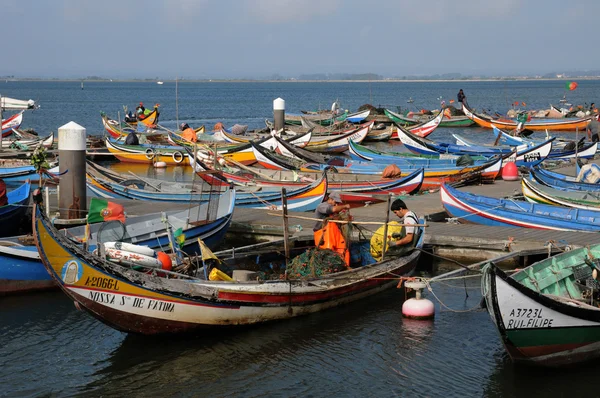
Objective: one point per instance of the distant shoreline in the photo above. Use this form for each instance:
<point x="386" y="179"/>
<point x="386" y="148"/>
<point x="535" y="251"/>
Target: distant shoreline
<point x="295" y="81"/>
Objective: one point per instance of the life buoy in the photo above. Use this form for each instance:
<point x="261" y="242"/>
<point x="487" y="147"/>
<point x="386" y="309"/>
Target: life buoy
<point x="177" y="157"/>
<point x="150" y="154"/>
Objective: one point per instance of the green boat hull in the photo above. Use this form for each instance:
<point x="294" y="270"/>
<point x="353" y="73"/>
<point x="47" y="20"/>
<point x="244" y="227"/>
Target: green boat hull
<point x="458" y="122"/>
<point x="547" y="313"/>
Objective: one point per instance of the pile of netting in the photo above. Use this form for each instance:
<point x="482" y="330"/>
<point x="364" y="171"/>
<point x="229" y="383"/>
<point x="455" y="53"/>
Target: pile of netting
<point x="315" y="263"/>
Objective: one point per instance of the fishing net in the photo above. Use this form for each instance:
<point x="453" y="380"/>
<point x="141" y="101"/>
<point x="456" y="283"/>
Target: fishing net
<point x="315" y="263"/>
<point x="112" y="231"/>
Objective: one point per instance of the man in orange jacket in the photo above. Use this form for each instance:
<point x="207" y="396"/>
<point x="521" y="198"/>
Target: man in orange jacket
<point x="188" y="133"/>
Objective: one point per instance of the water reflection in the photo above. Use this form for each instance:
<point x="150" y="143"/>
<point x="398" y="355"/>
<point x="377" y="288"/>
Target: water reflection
<point x="365" y="348"/>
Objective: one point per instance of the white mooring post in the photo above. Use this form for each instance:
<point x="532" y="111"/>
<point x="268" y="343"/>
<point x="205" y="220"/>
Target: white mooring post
<point x="279" y="113"/>
<point x="72" y="201"/>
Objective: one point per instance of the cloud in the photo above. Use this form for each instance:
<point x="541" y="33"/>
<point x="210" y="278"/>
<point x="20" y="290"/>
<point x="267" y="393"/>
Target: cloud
<point x="437" y="11"/>
<point x="283" y="11"/>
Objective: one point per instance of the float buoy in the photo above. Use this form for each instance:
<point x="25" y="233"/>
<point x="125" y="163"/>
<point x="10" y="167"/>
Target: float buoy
<point x="510" y="172"/>
<point x="418" y="307"/>
<point x="165" y="260"/>
<point x="160" y="165"/>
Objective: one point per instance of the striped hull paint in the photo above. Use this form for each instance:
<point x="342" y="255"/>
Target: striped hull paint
<point x="172" y="156"/>
<point x="550" y="332"/>
<point x="469" y="208"/>
<point x="304" y="197"/>
<point x="559" y="125"/>
<point x="454" y="121"/>
<point x="422" y="129"/>
<point x="340" y="144"/>
<point x="125" y="300"/>
<point x="13" y="122"/>
<point x="539" y="193"/>
<point x="562" y="181"/>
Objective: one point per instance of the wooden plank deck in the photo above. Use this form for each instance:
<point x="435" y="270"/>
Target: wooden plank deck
<point x="439" y="235"/>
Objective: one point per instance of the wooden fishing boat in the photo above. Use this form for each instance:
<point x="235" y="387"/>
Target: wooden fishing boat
<point x="368" y="154"/>
<point x="21" y="269"/>
<point x="583" y="150"/>
<point x="16" y="141"/>
<point x="147" y="153"/>
<point x="172" y="302"/>
<point x="243" y="153"/>
<point x="10" y="123"/>
<point x="12" y="213"/>
<point x="406" y="121"/>
<point x="539" y="193"/>
<point x="324" y="118"/>
<point x="375" y="135"/>
<point x="547" y="313"/>
<point x="477" y="209"/>
<point x="422" y="129"/>
<point x="149" y="120"/>
<point x="433" y="178"/>
<point x="525" y="156"/>
<point x="299" y="139"/>
<point x="304" y="197"/>
<point x="561" y="181"/>
<point x="340" y="143"/>
<point x="358" y="117"/>
<point x="570" y="124"/>
<point x="119" y="131"/>
<point x="352" y="191"/>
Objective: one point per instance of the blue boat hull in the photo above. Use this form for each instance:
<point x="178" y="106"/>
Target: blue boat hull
<point x="484" y="210"/>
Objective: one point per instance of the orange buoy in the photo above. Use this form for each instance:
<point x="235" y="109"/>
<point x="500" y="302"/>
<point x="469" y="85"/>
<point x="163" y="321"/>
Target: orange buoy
<point x="510" y="172"/>
<point x="165" y="261"/>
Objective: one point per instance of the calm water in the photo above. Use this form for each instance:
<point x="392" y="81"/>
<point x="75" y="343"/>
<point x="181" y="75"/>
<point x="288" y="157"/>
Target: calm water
<point x="48" y="348"/>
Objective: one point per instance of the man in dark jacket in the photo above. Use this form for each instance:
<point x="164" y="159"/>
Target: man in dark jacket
<point x="461" y="97"/>
<point x="132" y="139"/>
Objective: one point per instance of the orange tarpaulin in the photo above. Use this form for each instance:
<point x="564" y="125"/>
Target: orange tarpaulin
<point x="330" y="237"/>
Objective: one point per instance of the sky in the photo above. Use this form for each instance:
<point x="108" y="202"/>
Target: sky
<point x="226" y="39"/>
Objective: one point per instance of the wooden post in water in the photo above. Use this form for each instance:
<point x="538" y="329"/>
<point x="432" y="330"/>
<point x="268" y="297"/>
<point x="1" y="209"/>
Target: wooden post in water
<point x="279" y="113"/>
<point x="286" y="234"/>
<point x="72" y="201"/>
<point x="385" y="227"/>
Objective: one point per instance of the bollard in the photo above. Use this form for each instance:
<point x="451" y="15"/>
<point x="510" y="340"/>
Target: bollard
<point x="279" y="113"/>
<point x="72" y="201"/>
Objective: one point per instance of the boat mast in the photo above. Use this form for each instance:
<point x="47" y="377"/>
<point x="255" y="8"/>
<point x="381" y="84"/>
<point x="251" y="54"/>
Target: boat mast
<point x="176" y="103"/>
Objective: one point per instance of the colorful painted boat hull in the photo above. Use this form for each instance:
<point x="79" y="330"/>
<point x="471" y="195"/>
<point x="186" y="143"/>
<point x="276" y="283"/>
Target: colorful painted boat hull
<point x="128" y="302"/>
<point x="477" y="209"/>
<point x="147" y="154"/>
<point x="13" y="122"/>
<point x="540" y="328"/>
<point x="21" y="269"/>
<point x="559" y="125"/>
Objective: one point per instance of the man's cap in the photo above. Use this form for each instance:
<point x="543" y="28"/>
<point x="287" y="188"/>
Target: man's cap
<point x="335" y="195"/>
